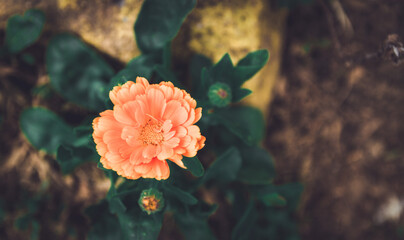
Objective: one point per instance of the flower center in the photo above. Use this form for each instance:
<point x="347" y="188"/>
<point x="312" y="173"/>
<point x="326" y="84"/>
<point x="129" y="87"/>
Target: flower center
<point x="151" y="133"/>
<point x="150" y="203"/>
<point x="222" y="93"/>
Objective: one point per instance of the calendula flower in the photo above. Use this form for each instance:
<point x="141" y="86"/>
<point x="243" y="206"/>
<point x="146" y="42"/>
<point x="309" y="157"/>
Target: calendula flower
<point x="149" y="124"/>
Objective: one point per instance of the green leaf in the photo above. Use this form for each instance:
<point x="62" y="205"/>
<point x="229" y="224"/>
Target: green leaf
<point x="225" y="168"/>
<point x="167" y="75"/>
<point x="35" y="230"/>
<point x="273" y="200"/>
<point x="198" y="62"/>
<point x="240" y="94"/>
<point x="69" y="157"/>
<point x="77" y="72"/>
<point x="138" y="225"/>
<point x="243" y="228"/>
<point x="257" y="167"/>
<point x="194" y="166"/>
<point x="45" y="130"/>
<point x="223" y="71"/>
<point x="174" y="192"/>
<point x="194" y="221"/>
<point x="28" y="58"/>
<point x="115" y="203"/>
<point x="84" y="136"/>
<point x="23" y="222"/>
<point x="104" y="226"/>
<point x="141" y="66"/>
<point x="100" y="166"/>
<point x="250" y="65"/>
<point x="290" y="192"/>
<point x="159" y="21"/>
<point x="245" y="122"/>
<point x="22" y="31"/>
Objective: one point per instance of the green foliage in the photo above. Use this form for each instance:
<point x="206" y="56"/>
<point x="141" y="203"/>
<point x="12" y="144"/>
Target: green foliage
<point x="77" y="72"/>
<point x="115" y="203"/>
<point x="273" y="199"/>
<point x="166" y="75"/>
<point x="159" y="21"/>
<point x="193" y="221"/>
<point x="248" y="66"/>
<point x="194" y="166"/>
<point x="105" y="226"/>
<point x="225" y="168"/>
<point x="248" y="125"/>
<point x="243" y="228"/>
<point x="136" y="225"/>
<point x="198" y="62"/>
<point x="69" y="157"/>
<point x="142" y="65"/>
<point x="44" y="129"/>
<point x="29" y="206"/>
<point x="225" y="73"/>
<point x="22" y="31"/>
<point x="257" y="166"/>
<point x="174" y="192"/>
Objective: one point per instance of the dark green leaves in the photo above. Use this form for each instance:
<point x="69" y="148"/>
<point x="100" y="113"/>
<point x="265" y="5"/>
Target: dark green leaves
<point x="247" y="123"/>
<point x="194" y="221"/>
<point x="247" y="221"/>
<point x="69" y="157"/>
<point x="198" y="62"/>
<point x="115" y="203"/>
<point x="104" y="226"/>
<point x="159" y="21"/>
<point x="77" y="72"/>
<point x="234" y="76"/>
<point x="167" y="75"/>
<point x="141" y="66"/>
<point x="250" y="65"/>
<point x="23" y="31"/>
<point x="273" y="199"/>
<point x="194" y="166"/>
<point x="44" y="129"/>
<point x="257" y="167"/>
<point x="278" y="195"/>
<point x="138" y="225"/>
<point x="225" y="168"/>
<point x="174" y="192"/>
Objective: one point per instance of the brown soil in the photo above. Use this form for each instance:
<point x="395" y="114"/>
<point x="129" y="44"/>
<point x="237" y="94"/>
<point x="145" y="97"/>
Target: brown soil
<point x="336" y="121"/>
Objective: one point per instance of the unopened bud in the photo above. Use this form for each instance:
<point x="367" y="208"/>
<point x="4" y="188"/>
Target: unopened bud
<point x="151" y="201"/>
<point x="220" y="94"/>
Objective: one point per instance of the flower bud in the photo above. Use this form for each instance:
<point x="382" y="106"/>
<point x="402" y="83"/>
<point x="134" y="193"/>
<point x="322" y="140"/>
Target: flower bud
<point x="151" y="200"/>
<point x="220" y="94"/>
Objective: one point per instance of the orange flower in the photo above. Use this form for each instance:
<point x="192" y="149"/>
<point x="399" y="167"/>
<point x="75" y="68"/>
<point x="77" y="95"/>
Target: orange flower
<point x="149" y="124"/>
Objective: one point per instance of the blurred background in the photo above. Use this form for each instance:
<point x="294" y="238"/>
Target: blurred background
<point x="332" y="94"/>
